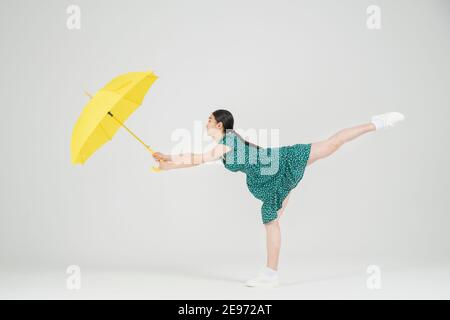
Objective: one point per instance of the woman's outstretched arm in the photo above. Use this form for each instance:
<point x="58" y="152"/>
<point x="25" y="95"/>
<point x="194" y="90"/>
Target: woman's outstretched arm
<point x="185" y="160"/>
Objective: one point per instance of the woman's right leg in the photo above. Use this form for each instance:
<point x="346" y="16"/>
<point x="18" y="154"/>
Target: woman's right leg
<point x="273" y="243"/>
<point x="325" y="148"/>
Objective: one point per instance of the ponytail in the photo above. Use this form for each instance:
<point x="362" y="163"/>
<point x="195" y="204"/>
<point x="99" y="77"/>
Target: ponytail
<point x="240" y="137"/>
<point x="225" y="116"/>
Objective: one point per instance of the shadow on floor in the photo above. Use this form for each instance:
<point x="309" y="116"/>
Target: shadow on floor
<point x="319" y="278"/>
<point x="186" y="271"/>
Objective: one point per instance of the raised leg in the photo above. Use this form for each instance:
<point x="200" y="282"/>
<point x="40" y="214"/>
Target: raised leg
<point x="325" y="148"/>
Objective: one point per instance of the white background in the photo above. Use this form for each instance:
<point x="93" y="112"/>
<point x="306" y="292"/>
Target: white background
<point x="305" y="68"/>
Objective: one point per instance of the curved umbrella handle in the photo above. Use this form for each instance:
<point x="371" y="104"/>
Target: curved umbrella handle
<point x="155" y="169"/>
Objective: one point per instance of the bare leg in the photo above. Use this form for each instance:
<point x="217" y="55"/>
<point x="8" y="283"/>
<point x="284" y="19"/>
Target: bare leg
<point x="274" y="237"/>
<point x="325" y="148"/>
<point x="285" y="202"/>
<point x="273" y="241"/>
<point x="319" y="150"/>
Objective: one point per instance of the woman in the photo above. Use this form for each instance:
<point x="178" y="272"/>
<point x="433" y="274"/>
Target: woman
<point x="271" y="184"/>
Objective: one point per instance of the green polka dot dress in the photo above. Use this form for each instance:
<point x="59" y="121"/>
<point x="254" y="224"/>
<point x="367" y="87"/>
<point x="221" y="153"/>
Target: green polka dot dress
<point x="271" y="172"/>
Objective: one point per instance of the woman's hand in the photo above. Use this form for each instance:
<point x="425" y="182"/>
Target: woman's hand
<point x="164" y="165"/>
<point x="160" y="156"/>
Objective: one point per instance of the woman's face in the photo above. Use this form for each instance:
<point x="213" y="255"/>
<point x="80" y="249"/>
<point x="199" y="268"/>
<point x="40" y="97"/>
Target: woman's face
<point x="212" y="127"/>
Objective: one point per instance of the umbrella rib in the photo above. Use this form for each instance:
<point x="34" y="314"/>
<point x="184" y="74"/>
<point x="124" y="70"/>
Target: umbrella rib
<point x="104" y="131"/>
<point x="121" y="97"/>
<point x="123" y="85"/>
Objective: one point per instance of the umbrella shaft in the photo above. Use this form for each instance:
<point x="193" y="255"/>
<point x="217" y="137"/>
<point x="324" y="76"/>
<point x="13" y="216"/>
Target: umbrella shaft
<point x="146" y="146"/>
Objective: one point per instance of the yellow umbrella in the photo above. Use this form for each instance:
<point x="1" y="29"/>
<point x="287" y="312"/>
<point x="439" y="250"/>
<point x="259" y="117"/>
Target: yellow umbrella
<point x="106" y="112"/>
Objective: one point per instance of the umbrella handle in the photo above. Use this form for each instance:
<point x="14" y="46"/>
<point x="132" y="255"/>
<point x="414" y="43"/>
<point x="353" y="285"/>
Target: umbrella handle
<point x="153" y="169"/>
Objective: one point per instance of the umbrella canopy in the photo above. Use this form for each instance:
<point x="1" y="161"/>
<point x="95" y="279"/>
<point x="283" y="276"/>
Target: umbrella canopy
<point x="106" y="111"/>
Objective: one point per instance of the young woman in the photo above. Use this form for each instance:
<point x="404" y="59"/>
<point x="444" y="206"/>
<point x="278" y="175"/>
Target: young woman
<point x="271" y="173"/>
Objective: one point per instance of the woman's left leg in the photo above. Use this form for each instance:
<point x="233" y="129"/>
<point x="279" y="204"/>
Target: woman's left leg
<point x="325" y="148"/>
<point x="285" y="202"/>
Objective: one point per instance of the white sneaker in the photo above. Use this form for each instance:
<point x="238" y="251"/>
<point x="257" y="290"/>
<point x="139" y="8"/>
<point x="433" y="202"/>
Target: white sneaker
<point x="387" y="119"/>
<point x="263" y="280"/>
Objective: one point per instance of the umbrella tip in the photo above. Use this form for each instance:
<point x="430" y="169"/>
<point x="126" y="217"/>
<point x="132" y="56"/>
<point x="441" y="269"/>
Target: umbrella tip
<point x="88" y="94"/>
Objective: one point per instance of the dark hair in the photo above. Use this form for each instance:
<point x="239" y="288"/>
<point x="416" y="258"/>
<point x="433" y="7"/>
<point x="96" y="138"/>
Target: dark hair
<point x="227" y="120"/>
